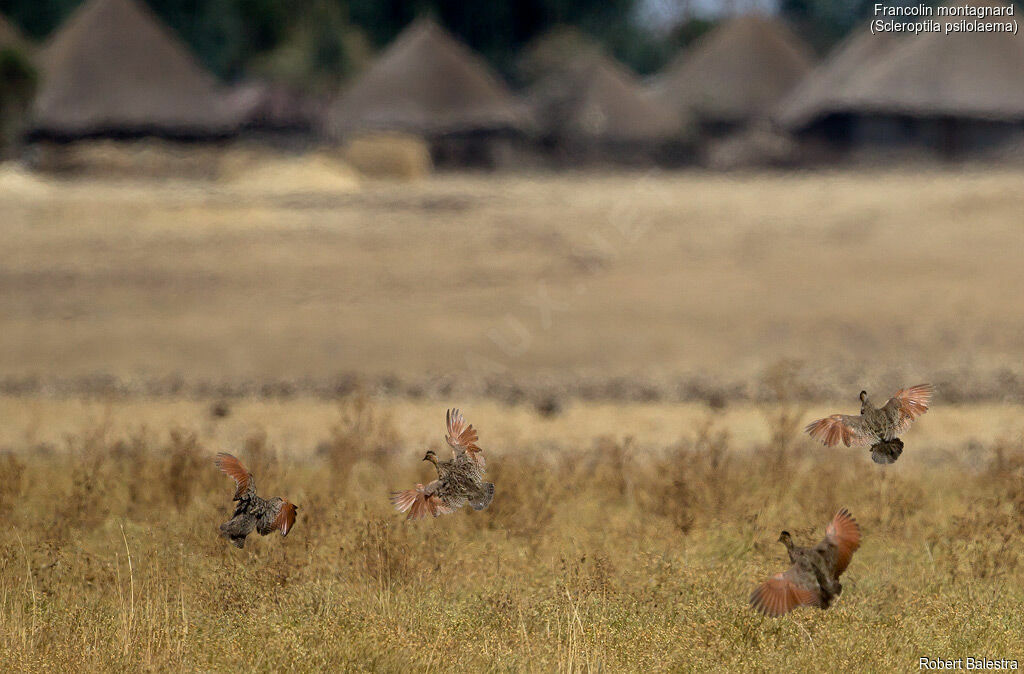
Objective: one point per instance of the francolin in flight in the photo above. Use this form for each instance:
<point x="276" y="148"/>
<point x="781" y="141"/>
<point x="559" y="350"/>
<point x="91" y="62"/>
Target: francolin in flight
<point x="878" y="427"/>
<point x="459" y="480"/>
<point x="252" y="511"/>
<point x="813" y="580"/>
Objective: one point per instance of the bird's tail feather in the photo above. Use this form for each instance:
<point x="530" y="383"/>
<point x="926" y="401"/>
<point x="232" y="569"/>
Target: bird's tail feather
<point x="887" y="451"/>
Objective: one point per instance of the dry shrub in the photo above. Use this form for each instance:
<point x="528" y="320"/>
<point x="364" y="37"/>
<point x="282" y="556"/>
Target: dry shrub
<point x="94" y="477"/>
<point x="527" y="491"/>
<point x="588" y="574"/>
<point x="384" y="550"/>
<point x="1005" y="471"/>
<point x="12" y="475"/>
<point x="389" y="155"/>
<point x="363" y="432"/>
<point x="184" y="468"/>
<point x="260" y="457"/>
<point x="983" y="543"/>
<point x="691" y="480"/>
<point x="132" y="462"/>
<point x="605" y="467"/>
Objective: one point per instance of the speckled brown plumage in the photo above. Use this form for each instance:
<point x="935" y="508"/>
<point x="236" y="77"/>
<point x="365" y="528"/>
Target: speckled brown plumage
<point x="879" y="427"/>
<point x="813" y="579"/>
<point x="252" y="511"/>
<point x="459" y="479"/>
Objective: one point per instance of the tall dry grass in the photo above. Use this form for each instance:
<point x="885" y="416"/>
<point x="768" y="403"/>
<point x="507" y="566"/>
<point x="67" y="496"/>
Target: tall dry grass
<point x="614" y="556"/>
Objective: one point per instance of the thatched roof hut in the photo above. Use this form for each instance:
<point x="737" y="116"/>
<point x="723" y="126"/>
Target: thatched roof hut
<point x="964" y="74"/>
<point x="951" y="93"/>
<point x="736" y="73"/>
<point x="427" y="83"/>
<point x="597" y="99"/>
<point x="548" y="53"/>
<point x="823" y="91"/>
<point x="114" y="69"/>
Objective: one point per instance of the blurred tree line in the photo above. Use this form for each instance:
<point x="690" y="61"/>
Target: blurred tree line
<point x="315" y="43"/>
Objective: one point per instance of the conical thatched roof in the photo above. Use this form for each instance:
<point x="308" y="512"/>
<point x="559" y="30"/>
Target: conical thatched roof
<point x="823" y="90"/>
<point x="597" y="98"/>
<point x="549" y="53"/>
<point x="738" y="71"/>
<point x="114" y="68"/>
<point x="426" y="82"/>
<point x="962" y="74"/>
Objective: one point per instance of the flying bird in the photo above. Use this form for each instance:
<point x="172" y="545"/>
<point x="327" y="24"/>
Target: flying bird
<point x="460" y="480"/>
<point x="813" y="579"/>
<point x="252" y="511"/>
<point x="879" y="427"/>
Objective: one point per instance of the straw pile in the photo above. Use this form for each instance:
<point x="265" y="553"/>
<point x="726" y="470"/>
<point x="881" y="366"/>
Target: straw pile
<point x="389" y="155"/>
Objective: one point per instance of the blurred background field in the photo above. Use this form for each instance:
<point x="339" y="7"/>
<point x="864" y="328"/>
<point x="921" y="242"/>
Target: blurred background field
<point x="607" y="285"/>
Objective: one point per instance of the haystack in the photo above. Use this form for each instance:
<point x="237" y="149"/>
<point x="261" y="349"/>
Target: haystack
<point x="391" y="155"/>
<point x="114" y="69"/>
<point x="596" y="99"/>
<point x="736" y="73"/>
<point x="278" y="174"/>
<point x="429" y="84"/>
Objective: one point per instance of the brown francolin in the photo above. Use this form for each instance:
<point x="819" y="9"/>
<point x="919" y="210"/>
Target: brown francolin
<point x="813" y="579"/>
<point x="252" y="511"/>
<point x="459" y="479"/>
<point x="878" y="427"/>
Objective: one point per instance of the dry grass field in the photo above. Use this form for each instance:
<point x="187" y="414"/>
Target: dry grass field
<point x="618" y="553"/>
<point x="639" y="352"/>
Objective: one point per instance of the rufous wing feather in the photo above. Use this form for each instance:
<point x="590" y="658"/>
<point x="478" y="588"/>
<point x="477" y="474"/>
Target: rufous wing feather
<point x="419" y="503"/>
<point x="463" y="438"/>
<point x="234" y="469"/>
<point x="844" y="533"/>
<point x="779" y="595"/>
<point x="838" y="428"/>
<point x="285" y="519"/>
<point x="910" y="403"/>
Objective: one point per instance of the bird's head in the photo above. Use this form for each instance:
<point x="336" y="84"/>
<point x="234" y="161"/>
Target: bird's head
<point x="786" y="539"/>
<point x="431" y="457"/>
<point x="863" y="401"/>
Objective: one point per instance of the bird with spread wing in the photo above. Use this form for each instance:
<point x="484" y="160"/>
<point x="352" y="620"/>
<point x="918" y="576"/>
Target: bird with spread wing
<point x="252" y="511"/>
<point x="879" y="427"/>
<point x="459" y="479"/>
<point x="813" y="579"/>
